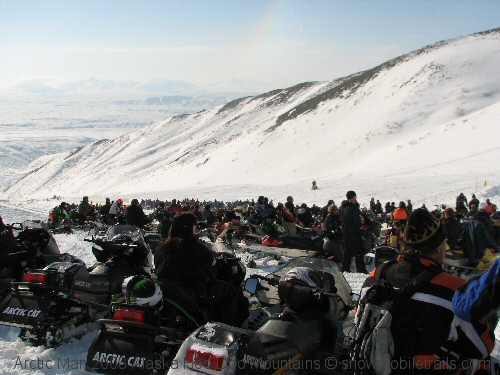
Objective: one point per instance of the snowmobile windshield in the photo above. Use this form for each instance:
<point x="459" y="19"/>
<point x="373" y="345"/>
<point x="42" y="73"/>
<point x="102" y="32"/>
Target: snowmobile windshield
<point x="127" y="230"/>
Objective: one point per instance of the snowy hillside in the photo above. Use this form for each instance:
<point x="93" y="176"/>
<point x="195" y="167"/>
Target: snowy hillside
<point x="428" y="118"/>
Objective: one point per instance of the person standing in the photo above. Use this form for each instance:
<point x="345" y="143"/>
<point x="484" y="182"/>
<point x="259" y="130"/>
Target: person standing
<point x="289" y="217"/>
<point x="351" y="229"/>
<point x="372" y="205"/>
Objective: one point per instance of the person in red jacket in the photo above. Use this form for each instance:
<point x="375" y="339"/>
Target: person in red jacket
<point x="175" y="207"/>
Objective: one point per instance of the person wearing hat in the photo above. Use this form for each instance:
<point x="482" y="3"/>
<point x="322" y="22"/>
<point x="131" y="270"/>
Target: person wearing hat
<point x="350" y="216"/>
<point x="426" y="327"/>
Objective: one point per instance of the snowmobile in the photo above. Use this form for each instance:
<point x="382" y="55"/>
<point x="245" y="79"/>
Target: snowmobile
<point x="307" y="332"/>
<point x="34" y="247"/>
<point x="379" y="255"/>
<point x="457" y="262"/>
<point x="50" y="302"/>
<point x="140" y="339"/>
<point x="477" y="250"/>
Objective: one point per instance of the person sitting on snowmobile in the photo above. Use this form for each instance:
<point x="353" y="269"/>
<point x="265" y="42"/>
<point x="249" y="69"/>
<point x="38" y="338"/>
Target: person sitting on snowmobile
<point x="304" y="216"/>
<point x="490" y="207"/>
<point x="399" y="215"/>
<point x="426" y="334"/>
<point x="136" y="215"/>
<point x="191" y="266"/>
<point x="104" y="210"/>
<point x="60" y="214"/>
<point x="85" y="209"/>
<point x="473" y="200"/>
<point x="332" y="220"/>
<point x="7" y="239"/>
<point x="175" y="207"/>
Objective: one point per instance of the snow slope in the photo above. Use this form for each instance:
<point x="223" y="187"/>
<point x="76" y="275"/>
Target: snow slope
<point x="428" y="117"/>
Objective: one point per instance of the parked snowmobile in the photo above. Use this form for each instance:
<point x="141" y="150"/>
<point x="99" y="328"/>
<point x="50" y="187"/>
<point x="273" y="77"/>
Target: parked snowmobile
<point x="52" y="300"/>
<point x="140" y="339"/>
<point x="34" y="247"/>
<point x="309" y="328"/>
<point x="457" y="262"/>
<point x="477" y="250"/>
<point x="379" y="255"/>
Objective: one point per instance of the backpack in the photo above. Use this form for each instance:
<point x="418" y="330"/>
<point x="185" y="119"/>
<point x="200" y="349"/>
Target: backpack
<point x="373" y="348"/>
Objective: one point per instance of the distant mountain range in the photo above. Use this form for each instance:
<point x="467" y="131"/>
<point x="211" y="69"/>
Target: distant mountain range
<point x="138" y="90"/>
<point x="432" y="113"/>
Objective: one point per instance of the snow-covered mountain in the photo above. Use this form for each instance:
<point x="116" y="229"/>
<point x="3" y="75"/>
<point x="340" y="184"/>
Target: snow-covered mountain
<point x="427" y="118"/>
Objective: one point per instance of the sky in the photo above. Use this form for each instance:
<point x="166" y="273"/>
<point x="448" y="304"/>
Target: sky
<point x="280" y="43"/>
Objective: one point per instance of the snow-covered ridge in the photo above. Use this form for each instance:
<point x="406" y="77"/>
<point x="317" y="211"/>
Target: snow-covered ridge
<point x="429" y="113"/>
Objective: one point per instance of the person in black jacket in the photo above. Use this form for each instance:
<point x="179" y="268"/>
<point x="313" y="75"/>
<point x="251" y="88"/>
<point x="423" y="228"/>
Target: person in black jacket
<point x="184" y="260"/>
<point x="452" y="228"/>
<point x="7" y="239"/>
<point x="428" y="336"/>
<point x="135" y="214"/>
<point x="332" y="220"/>
<point x="351" y="230"/>
<point x="106" y="207"/>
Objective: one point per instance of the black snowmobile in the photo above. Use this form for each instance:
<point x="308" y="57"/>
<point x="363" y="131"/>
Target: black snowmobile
<point x="142" y="339"/>
<point x="308" y="332"/>
<point x="33" y="247"/>
<point x="51" y="301"/>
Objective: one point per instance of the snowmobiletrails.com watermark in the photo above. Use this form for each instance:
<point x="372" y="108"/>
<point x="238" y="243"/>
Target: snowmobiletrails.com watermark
<point x="248" y="361"/>
<point x="331" y="363"/>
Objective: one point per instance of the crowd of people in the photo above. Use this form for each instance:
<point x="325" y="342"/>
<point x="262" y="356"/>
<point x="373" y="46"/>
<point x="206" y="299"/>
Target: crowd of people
<point x="444" y="320"/>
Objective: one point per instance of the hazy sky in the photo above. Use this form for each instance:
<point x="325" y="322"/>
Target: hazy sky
<point x="205" y="41"/>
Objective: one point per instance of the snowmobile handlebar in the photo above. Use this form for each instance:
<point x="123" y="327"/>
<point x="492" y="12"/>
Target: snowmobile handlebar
<point x="110" y="243"/>
<point x="272" y="280"/>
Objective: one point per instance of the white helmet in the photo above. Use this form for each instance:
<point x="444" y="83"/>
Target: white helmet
<point x="143" y="291"/>
<point x="304" y="275"/>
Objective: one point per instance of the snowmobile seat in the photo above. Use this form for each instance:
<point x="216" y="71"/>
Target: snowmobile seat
<point x="298" y="242"/>
<point x="305" y="336"/>
<point x="182" y="294"/>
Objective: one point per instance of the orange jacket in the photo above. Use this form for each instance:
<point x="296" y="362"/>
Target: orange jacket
<point x="400" y="214"/>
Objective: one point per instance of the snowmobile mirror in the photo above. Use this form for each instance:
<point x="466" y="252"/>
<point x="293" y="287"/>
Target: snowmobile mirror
<point x="251" y="285"/>
<point x="354" y="300"/>
<point x="212" y="235"/>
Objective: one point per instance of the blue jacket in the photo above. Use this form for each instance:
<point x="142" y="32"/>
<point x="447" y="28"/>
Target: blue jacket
<point x="479" y="297"/>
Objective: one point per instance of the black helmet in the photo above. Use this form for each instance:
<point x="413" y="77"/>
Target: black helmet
<point x="143" y="291"/>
